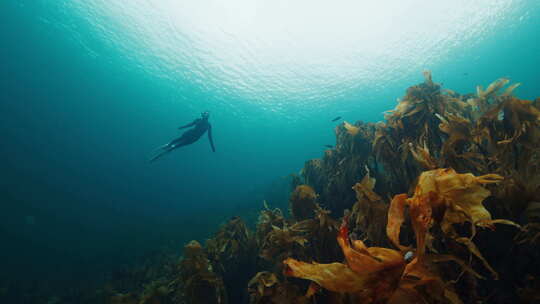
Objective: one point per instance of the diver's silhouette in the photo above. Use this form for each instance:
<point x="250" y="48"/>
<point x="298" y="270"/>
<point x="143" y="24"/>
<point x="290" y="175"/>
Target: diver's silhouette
<point x="201" y="125"/>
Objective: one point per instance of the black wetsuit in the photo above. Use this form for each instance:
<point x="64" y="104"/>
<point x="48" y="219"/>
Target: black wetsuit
<point x="190" y="136"/>
<point x="201" y="125"/>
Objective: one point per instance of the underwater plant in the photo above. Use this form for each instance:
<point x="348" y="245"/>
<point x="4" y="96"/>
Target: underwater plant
<point x="352" y="130"/>
<point x="444" y="197"/>
<point x="199" y="282"/>
<point x="302" y="203"/>
<point x="425" y="190"/>
<point x="233" y="253"/>
<point x="265" y="287"/>
<point x="373" y="274"/>
<point x="369" y="213"/>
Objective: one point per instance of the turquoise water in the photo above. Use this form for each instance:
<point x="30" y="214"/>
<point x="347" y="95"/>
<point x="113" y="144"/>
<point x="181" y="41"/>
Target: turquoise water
<point x="90" y="88"/>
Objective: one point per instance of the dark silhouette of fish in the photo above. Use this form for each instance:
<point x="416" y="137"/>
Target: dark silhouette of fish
<point x="337" y="118"/>
<point x="329" y="146"/>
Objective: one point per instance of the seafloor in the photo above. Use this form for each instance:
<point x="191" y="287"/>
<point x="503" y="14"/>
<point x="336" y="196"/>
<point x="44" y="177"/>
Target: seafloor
<point x="439" y="204"/>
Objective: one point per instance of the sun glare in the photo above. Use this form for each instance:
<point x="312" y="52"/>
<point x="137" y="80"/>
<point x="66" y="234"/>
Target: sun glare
<point x="271" y="49"/>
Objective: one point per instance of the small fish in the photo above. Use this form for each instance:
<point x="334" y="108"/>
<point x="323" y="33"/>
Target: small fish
<point x="337" y="118"/>
<point x="465" y="74"/>
<point x="329" y="146"/>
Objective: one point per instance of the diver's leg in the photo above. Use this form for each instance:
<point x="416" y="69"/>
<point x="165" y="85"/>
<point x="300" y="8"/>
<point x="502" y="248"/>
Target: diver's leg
<point x="166" y="150"/>
<point x="170" y="144"/>
<point x="179" y="144"/>
<point x="169" y="147"/>
<point x="163" y="147"/>
<point x="180" y="141"/>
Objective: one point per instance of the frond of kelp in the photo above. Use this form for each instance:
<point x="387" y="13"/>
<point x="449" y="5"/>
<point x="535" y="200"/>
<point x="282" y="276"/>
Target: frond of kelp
<point x="268" y="218"/>
<point x="422" y="156"/>
<point x="302" y="203"/>
<point x="530" y="234"/>
<point x="321" y="231"/>
<point x="369" y="212"/>
<point x="376" y="275"/>
<point x="444" y="197"/>
<point x="461" y="150"/>
<point x="510" y="89"/>
<point x="405" y="108"/>
<point x="276" y="238"/>
<point x="492" y="88"/>
<point x="265" y="287"/>
<point x="336" y="277"/>
<point x="427" y="77"/>
<point x="281" y="242"/>
<point x="371" y="273"/>
<point x="261" y="282"/>
<point x="509" y="120"/>
<point x="200" y="283"/>
<point x="384" y="146"/>
<point x="489" y="96"/>
<point x="521" y="115"/>
<point x="511" y="132"/>
<point x="231" y="241"/>
<point x="352" y="130"/>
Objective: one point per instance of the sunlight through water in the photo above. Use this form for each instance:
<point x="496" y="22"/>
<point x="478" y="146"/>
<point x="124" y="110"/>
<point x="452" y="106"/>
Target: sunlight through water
<point x="280" y="53"/>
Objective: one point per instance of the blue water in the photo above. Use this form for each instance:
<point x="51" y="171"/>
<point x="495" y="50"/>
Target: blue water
<point x="89" y="89"/>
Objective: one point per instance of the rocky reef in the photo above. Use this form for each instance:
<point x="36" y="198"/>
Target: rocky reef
<point x="438" y="204"/>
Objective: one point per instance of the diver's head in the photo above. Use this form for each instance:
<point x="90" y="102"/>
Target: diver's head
<point x="205" y="115"/>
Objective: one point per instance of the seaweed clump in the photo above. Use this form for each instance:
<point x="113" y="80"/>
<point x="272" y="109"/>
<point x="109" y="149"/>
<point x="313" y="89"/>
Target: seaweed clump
<point x="302" y="202"/>
<point x="199" y="282"/>
<point x="383" y="275"/>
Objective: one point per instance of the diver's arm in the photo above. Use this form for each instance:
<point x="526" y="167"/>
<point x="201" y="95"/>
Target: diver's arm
<point x="210" y="137"/>
<point x="191" y="124"/>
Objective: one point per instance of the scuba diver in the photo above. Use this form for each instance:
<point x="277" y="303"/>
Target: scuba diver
<point x="201" y="125"/>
